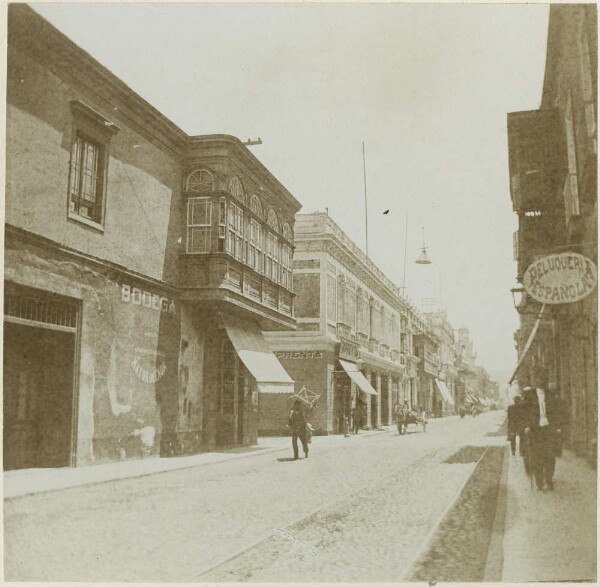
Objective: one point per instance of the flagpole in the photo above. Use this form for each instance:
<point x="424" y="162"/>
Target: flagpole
<point x="366" y="207"/>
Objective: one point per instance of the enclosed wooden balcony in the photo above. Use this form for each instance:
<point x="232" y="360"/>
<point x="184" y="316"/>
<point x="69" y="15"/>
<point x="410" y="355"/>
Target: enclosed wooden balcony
<point x="237" y="256"/>
<point x="537" y="160"/>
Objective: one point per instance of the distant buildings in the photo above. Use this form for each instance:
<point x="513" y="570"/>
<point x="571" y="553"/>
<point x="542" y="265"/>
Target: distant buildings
<point x="553" y="178"/>
<point x="354" y="341"/>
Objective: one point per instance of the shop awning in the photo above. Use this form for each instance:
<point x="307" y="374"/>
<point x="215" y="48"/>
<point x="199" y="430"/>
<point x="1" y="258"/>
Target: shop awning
<point x="444" y="392"/>
<point x="253" y="350"/>
<point x="358" y="377"/>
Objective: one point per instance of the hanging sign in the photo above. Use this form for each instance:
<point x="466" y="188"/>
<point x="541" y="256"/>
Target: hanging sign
<point x="560" y="279"/>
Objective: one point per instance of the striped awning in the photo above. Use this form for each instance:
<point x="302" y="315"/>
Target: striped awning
<point x="254" y="351"/>
<point x="444" y="392"/>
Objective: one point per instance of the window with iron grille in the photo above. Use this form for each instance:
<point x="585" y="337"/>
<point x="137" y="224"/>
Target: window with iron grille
<point x="88" y="164"/>
<point x="199" y="219"/>
<point x="86" y="186"/>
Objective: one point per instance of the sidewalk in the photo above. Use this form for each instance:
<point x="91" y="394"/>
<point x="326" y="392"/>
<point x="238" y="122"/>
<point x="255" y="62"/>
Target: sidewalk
<point x="550" y="536"/>
<point x="29" y="481"/>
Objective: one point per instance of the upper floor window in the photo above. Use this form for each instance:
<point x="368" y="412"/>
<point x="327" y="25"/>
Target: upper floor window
<point x="199" y="219"/>
<point x="286" y="266"/>
<point x="200" y="181"/>
<point x="235" y="232"/>
<point x="272" y="257"/>
<point x="255" y="247"/>
<point x="89" y="164"/>
<point x="87" y="178"/>
<point x="256" y="206"/>
<point x="287" y="232"/>
<point x="272" y="220"/>
<point x="236" y="189"/>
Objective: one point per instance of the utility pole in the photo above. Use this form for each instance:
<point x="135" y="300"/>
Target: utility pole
<point x="405" y="249"/>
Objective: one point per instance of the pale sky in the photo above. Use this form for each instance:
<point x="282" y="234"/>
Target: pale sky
<point x="426" y="87"/>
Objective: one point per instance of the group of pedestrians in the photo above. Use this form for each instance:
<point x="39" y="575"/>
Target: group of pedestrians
<point x="537" y="420"/>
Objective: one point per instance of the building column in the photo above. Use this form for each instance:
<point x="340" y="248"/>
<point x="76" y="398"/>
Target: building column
<point x="378" y="388"/>
<point x="390" y="401"/>
<point x="330" y="399"/>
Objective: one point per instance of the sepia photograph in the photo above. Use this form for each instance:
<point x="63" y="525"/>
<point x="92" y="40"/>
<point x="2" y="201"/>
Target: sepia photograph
<point x="300" y="292"/>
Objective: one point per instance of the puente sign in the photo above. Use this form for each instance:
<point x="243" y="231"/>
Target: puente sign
<point x="562" y="278"/>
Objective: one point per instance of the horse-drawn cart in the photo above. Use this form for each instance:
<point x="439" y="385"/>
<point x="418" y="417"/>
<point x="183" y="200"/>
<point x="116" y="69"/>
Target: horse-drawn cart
<point x="406" y="417"/>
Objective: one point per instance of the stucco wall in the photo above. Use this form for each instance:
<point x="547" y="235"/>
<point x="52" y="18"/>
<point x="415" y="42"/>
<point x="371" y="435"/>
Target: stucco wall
<point x="128" y="353"/>
<point x="142" y="223"/>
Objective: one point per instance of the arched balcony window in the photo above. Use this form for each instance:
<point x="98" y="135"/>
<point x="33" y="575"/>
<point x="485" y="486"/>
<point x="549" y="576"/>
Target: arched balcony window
<point x="272" y="220"/>
<point x="256" y="206"/>
<point x="236" y="189"/>
<point x="200" y="181"/>
<point x="287" y="232"/>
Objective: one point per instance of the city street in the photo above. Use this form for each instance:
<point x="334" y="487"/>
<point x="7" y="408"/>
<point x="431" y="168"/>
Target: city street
<point x="364" y="507"/>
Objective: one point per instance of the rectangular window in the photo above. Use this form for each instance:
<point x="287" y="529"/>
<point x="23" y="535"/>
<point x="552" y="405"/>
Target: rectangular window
<point x="272" y="257"/>
<point x="331" y="298"/>
<point x="86" y="183"/>
<point x="286" y="266"/>
<point x="198" y="225"/>
<point x="235" y="232"/>
<point x="255" y="252"/>
<point x="351" y="308"/>
<point x="570" y="190"/>
<point x="88" y="164"/>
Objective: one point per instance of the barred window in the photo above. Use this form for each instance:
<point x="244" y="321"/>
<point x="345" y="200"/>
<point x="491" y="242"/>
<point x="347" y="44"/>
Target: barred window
<point x="198" y="225"/>
<point x="87" y="178"/>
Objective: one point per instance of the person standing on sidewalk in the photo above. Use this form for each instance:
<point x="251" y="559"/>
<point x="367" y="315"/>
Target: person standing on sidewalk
<point x="297" y="422"/>
<point x="543" y="427"/>
<point x="512" y="416"/>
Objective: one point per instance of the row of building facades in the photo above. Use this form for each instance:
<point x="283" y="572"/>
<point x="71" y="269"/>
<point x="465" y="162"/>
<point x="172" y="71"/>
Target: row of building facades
<point x="164" y="296"/>
<point x="553" y="158"/>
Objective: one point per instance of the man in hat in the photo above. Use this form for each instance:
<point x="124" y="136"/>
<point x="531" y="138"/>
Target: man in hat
<point x="297" y="422"/>
<point x="513" y="414"/>
<point x="542" y="418"/>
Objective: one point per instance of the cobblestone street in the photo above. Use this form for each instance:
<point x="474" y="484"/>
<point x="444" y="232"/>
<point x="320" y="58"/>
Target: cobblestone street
<point x="359" y="507"/>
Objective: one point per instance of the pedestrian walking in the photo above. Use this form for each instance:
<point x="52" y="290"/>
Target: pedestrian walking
<point x="543" y="420"/>
<point x="297" y="422"/>
<point x="354" y="413"/>
<point x="513" y="414"/>
<point x="398" y="417"/>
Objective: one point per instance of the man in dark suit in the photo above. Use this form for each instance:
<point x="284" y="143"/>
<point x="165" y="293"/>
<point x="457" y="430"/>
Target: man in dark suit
<point x="543" y="420"/>
<point x="297" y="422"/>
<point x="513" y="417"/>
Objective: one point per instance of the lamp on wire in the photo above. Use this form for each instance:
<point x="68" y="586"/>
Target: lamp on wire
<point x="423" y="259"/>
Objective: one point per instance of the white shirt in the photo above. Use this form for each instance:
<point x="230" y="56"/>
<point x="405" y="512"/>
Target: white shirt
<point x="542" y="403"/>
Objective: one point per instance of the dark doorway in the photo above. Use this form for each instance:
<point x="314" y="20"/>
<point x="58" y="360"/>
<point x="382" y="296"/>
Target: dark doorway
<point x="38" y="396"/>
